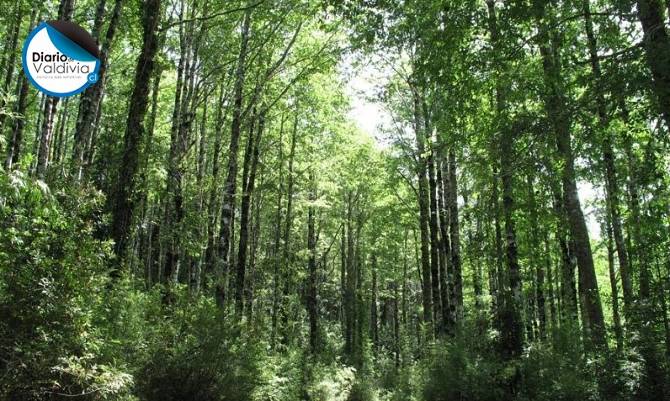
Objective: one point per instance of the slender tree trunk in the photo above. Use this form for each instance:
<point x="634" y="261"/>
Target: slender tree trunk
<point x="616" y="317"/>
<point x="433" y="224"/>
<point x="230" y="185"/>
<point x="374" y="324"/>
<point x="213" y="204"/>
<point x="91" y="99"/>
<point x="16" y="141"/>
<point x="277" y="237"/>
<point x="124" y="199"/>
<point x="312" y="296"/>
<point x="350" y="281"/>
<point x="611" y="181"/>
<point x="513" y="333"/>
<point x="424" y="210"/>
<point x="287" y="254"/>
<point x="65" y="11"/>
<point x="446" y="267"/>
<point x="11" y="52"/>
<point x="536" y="262"/>
<point x="248" y="182"/>
<point x="455" y="238"/>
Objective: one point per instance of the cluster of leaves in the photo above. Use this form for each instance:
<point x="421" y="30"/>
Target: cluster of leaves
<point x="52" y="278"/>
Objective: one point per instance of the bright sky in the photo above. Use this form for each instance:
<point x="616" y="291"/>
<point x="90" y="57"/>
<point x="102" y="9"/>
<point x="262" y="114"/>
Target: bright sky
<point x="362" y="82"/>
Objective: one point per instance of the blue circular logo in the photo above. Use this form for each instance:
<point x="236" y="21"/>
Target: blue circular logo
<point x="60" y="58"/>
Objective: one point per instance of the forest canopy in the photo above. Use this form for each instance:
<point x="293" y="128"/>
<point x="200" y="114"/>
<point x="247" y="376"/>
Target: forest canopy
<point x="280" y="200"/>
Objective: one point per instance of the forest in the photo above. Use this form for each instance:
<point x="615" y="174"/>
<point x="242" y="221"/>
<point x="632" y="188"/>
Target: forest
<point x="339" y="200"/>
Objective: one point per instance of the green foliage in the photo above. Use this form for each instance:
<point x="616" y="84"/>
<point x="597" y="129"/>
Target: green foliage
<point x="458" y="370"/>
<point x="200" y="356"/>
<point x="52" y="281"/>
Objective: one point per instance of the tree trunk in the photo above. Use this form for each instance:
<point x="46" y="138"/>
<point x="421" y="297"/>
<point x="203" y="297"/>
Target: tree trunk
<point x="433" y="223"/>
<point x="618" y="331"/>
<point x="312" y="306"/>
<point x="611" y="181"/>
<point x="91" y="99"/>
<point x="230" y="185"/>
<point x="536" y="262"/>
<point x="557" y="111"/>
<point x="248" y="181"/>
<point x="657" y="48"/>
<point x="374" y="324"/>
<point x="11" y="52"/>
<point x="65" y="11"/>
<point x="124" y="200"/>
<point x="445" y="256"/>
<point x="424" y="211"/>
<point x="511" y="319"/>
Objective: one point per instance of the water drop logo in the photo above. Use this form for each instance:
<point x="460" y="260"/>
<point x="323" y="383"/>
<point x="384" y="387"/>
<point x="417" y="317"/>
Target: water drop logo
<point x="60" y="58"/>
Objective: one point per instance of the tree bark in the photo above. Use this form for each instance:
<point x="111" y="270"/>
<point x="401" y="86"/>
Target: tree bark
<point x="657" y="48"/>
<point x="11" y="52"/>
<point x="125" y="199"/>
<point x="611" y="180"/>
<point x="65" y="11"/>
<point x="433" y="222"/>
<point x="312" y="305"/>
<point x="557" y="111"/>
<point x="424" y="211"/>
<point x="91" y="99"/>
<point x="248" y="181"/>
<point x="230" y="185"/>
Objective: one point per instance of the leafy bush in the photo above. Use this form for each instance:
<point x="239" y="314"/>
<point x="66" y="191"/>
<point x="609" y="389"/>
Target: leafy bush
<point x="333" y="382"/>
<point x="201" y="357"/>
<point x="52" y="275"/>
<point x="458" y="371"/>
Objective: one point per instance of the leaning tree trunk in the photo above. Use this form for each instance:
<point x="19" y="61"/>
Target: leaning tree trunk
<point x="556" y="108"/>
<point x="611" y="181"/>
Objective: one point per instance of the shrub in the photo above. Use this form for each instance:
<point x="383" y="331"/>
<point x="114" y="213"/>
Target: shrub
<point x="52" y="272"/>
<point x="201" y="357"/>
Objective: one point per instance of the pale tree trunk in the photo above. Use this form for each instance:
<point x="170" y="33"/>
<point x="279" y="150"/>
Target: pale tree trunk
<point x="312" y="291"/>
<point x="424" y="209"/>
<point x="433" y="222"/>
<point x="445" y="243"/>
<point x="455" y="238"/>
